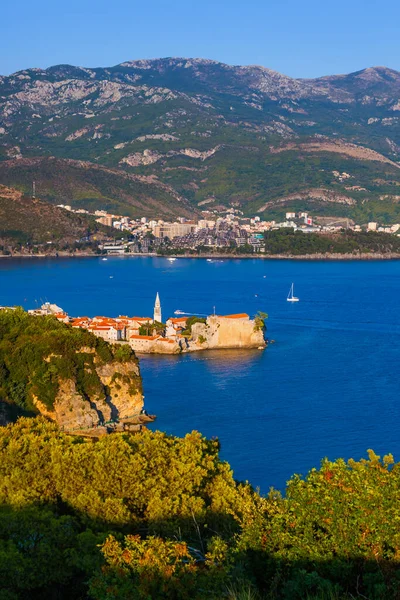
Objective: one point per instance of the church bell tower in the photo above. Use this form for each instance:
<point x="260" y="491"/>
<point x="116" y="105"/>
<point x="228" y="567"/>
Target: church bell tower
<point x="157" y="310"/>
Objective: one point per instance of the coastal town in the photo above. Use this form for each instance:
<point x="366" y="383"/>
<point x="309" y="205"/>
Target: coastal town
<point x="149" y="335"/>
<point x="227" y="231"/>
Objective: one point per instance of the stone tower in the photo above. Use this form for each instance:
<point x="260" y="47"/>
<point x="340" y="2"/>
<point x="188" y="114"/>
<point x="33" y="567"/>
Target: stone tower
<point x="157" y="309"/>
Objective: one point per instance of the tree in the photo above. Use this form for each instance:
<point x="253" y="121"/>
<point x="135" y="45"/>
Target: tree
<point x="190" y="322"/>
<point x="259" y="321"/>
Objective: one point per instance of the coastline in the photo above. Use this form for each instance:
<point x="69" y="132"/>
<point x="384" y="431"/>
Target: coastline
<point x="333" y="256"/>
<point x="305" y="257"/>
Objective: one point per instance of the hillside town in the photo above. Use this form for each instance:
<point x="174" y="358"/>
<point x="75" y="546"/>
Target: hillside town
<point x="230" y="230"/>
<point x="149" y="335"/>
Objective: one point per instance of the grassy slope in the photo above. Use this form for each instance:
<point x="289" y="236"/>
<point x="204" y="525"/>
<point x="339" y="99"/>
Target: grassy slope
<point x="23" y="220"/>
<point x="92" y="187"/>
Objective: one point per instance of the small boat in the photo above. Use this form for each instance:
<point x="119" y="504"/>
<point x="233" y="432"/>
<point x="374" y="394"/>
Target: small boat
<point x="291" y="297"/>
<point x="171" y="259"/>
<point x="179" y="312"/>
<point x="209" y="259"/>
<point x="103" y="259"/>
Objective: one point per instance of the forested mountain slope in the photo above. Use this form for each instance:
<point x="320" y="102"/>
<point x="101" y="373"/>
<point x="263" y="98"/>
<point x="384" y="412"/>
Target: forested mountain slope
<point x="31" y="221"/>
<point x="218" y="135"/>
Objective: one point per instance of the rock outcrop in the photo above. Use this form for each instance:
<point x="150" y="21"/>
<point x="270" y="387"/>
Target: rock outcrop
<point x="73" y="411"/>
<point x="123" y="387"/>
<point x="118" y="398"/>
<point x="149" y="157"/>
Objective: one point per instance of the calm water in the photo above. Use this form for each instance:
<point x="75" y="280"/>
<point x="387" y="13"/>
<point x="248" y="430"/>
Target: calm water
<point x="329" y="386"/>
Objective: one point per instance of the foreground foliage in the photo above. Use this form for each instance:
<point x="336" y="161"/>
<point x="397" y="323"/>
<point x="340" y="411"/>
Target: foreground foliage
<point x="154" y="516"/>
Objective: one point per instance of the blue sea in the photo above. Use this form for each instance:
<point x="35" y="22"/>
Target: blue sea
<point x="327" y="387"/>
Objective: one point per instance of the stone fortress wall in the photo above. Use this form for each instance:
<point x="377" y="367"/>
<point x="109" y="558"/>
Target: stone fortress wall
<point x="230" y="331"/>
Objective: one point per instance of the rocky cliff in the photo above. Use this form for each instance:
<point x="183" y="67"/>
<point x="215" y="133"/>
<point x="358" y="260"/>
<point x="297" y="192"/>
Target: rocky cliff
<point x="67" y="375"/>
<point x="231" y="331"/>
<point x="118" y="398"/>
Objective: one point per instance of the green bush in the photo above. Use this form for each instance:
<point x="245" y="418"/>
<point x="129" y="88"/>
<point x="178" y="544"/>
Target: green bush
<point x="155" y="516"/>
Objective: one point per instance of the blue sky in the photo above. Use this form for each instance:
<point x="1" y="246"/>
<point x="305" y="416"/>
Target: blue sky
<point x="303" y="38"/>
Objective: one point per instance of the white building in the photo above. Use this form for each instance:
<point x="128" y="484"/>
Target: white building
<point x="157" y="310"/>
<point x="110" y="334"/>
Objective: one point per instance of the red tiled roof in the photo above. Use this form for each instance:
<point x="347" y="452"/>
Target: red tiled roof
<point x="140" y="319"/>
<point x="106" y="320"/>
<point x="79" y="322"/>
<point x="143" y="337"/>
<point x="238" y="316"/>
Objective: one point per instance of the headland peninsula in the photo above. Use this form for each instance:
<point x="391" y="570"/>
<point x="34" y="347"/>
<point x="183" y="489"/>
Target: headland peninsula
<point x="68" y="375"/>
<point x="179" y="334"/>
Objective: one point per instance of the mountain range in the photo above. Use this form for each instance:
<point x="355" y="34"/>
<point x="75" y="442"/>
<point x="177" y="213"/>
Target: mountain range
<point x="174" y="136"/>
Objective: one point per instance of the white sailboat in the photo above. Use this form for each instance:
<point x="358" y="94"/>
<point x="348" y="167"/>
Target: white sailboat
<point x="291" y="297"/>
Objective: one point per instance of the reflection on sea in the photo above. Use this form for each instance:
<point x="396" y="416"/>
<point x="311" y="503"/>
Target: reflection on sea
<point x="215" y="360"/>
<point x="219" y="367"/>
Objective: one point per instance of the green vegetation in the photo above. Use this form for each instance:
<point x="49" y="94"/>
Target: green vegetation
<point x="148" y="328"/>
<point x="242" y="173"/>
<point x="154" y="516"/>
<point x="191" y="321"/>
<point x="27" y="225"/>
<point x="37" y="352"/>
<point x="205" y="108"/>
<point x="288" y="241"/>
<point x="93" y="187"/>
<point x="259" y="321"/>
